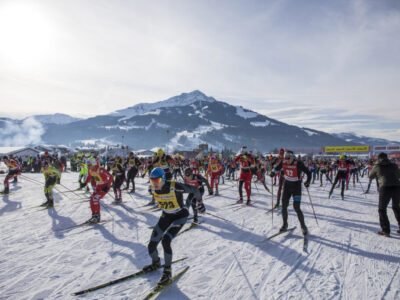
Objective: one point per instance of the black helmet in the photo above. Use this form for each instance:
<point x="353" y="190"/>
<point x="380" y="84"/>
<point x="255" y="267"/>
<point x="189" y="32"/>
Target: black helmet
<point x="382" y="155"/>
<point x="188" y="171"/>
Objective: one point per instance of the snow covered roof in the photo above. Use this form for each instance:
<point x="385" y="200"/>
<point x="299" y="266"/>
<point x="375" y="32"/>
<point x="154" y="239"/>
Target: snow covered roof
<point x="14" y="150"/>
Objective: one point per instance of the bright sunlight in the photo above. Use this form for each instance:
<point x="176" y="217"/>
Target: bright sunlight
<point x="25" y="35"/>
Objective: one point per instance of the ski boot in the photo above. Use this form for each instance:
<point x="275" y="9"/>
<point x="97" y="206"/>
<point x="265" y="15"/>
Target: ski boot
<point x="330" y="194"/>
<point x="304" y="230"/>
<point x="48" y="203"/>
<point x="248" y="202"/>
<point x="342" y="194"/>
<point x="398" y="231"/>
<point x="386" y="234"/>
<point x="216" y="192"/>
<point x="94" y="219"/>
<point x="153" y="266"/>
<point x="6" y="190"/>
<point x="240" y="200"/>
<point x="283" y="228"/>
<point x="166" y="276"/>
<point x="132" y="191"/>
<point x="118" y="200"/>
<point x="126" y="188"/>
<point x="276" y="206"/>
<point x="195" y="219"/>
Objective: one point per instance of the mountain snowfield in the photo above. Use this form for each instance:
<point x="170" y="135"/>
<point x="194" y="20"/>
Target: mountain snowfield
<point x="181" y="122"/>
<point x="230" y="259"/>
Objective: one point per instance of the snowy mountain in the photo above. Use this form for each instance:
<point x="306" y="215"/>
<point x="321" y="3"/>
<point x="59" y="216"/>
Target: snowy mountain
<point x="153" y="108"/>
<point x="55" y="119"/>
<point x="183" y="122"/>
<point x="363" y="140"/>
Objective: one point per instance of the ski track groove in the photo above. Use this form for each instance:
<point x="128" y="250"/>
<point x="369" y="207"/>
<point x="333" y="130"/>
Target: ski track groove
<point x="345" y="265"/>
<point x="390" y="283"/>
<point x="311" y="268"/>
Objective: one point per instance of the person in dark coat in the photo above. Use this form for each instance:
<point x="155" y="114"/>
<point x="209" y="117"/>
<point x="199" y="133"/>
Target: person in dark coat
<point x="388" y="175"/>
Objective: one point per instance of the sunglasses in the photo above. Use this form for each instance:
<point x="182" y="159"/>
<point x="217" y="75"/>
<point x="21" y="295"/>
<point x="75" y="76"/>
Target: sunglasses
<point x="156" y="180"/>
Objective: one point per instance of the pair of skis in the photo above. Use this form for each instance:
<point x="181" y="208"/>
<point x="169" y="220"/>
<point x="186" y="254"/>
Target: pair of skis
<point x="87" y="223"/>
<point x="153" y="292"/>
<point x="305" y="237"/>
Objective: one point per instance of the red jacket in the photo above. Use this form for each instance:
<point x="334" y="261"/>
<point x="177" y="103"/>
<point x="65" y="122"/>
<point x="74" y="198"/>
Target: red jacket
<point x="100" y="176"/>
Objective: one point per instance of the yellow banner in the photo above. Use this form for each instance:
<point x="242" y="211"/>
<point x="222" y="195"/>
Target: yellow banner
<point x="347" y="149"/>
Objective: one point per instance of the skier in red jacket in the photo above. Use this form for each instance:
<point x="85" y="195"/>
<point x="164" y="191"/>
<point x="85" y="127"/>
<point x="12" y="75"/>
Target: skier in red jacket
<point x="101" y="182"/>
<point x="246" y="160"/>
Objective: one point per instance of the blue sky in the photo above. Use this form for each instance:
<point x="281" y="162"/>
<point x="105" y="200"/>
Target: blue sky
<point x="327" y="65"/>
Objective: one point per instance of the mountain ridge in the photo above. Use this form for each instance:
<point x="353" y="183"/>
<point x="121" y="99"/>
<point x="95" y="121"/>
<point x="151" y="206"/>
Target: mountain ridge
<point x="183" y="122"/>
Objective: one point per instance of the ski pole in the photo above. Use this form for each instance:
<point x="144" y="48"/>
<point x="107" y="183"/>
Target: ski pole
<point x="31" y="180"/>
<point x="365" y="196"/>
<point x="309" y="197"/>
<point x="72" y="191"/>
<point x="218" y="217"/>
<point x="272" y="199"/>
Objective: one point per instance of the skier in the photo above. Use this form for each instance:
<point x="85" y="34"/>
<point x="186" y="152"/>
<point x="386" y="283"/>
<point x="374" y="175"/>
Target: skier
<point x="246" y="160"/>
<point x="215" y="170"/>
<point x="169" y="196"/>
<point x="101" y="182"/>
<point x="343" y="166"/>
<point x="323" y="170"/>
<point x="83" y="173"/>
<point x="51" y="177"/>
<point x="177" y="167"/>
<point x="194" y="165"/>
<point x="14" y="169"/>
<point x="118" y="172"/>
<point x="133" y="164"/>
<point x="196" y="180"/>
<point x="388" y="175"/>
<point x="292" y="169"/>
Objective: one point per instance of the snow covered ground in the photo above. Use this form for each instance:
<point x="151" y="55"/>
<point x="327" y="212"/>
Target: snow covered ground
<point x="346" y="259"/>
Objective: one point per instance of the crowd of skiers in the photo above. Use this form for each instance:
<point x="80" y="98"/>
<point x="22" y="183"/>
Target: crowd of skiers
<point x="285" y="170"/>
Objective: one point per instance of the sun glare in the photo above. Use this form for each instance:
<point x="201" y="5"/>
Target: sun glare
<point x="25" y="35"/>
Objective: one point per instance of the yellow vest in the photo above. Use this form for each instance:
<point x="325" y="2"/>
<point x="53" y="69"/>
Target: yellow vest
<point x="168" y="201"/>
<point x="214" y="167"/>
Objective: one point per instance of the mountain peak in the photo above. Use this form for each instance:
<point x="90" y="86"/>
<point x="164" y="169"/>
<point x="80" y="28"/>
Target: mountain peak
<point x="183" y="99"/>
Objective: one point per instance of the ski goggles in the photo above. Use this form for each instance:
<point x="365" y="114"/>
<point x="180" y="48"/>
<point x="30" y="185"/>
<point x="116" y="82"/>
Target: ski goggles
<point x="156" y="180"/>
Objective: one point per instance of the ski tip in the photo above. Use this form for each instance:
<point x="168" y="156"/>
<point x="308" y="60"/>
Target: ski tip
<point x="180" y="259"/>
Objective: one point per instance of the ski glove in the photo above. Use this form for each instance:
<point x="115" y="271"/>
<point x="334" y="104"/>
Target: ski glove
<point x="272" y="174"/>
<point x="82" y="185"/>
<point x="105" y="188"/>
<point x="307" y="184"/>
<point x="201" y="208"/>
<point x="210" y="192"/>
